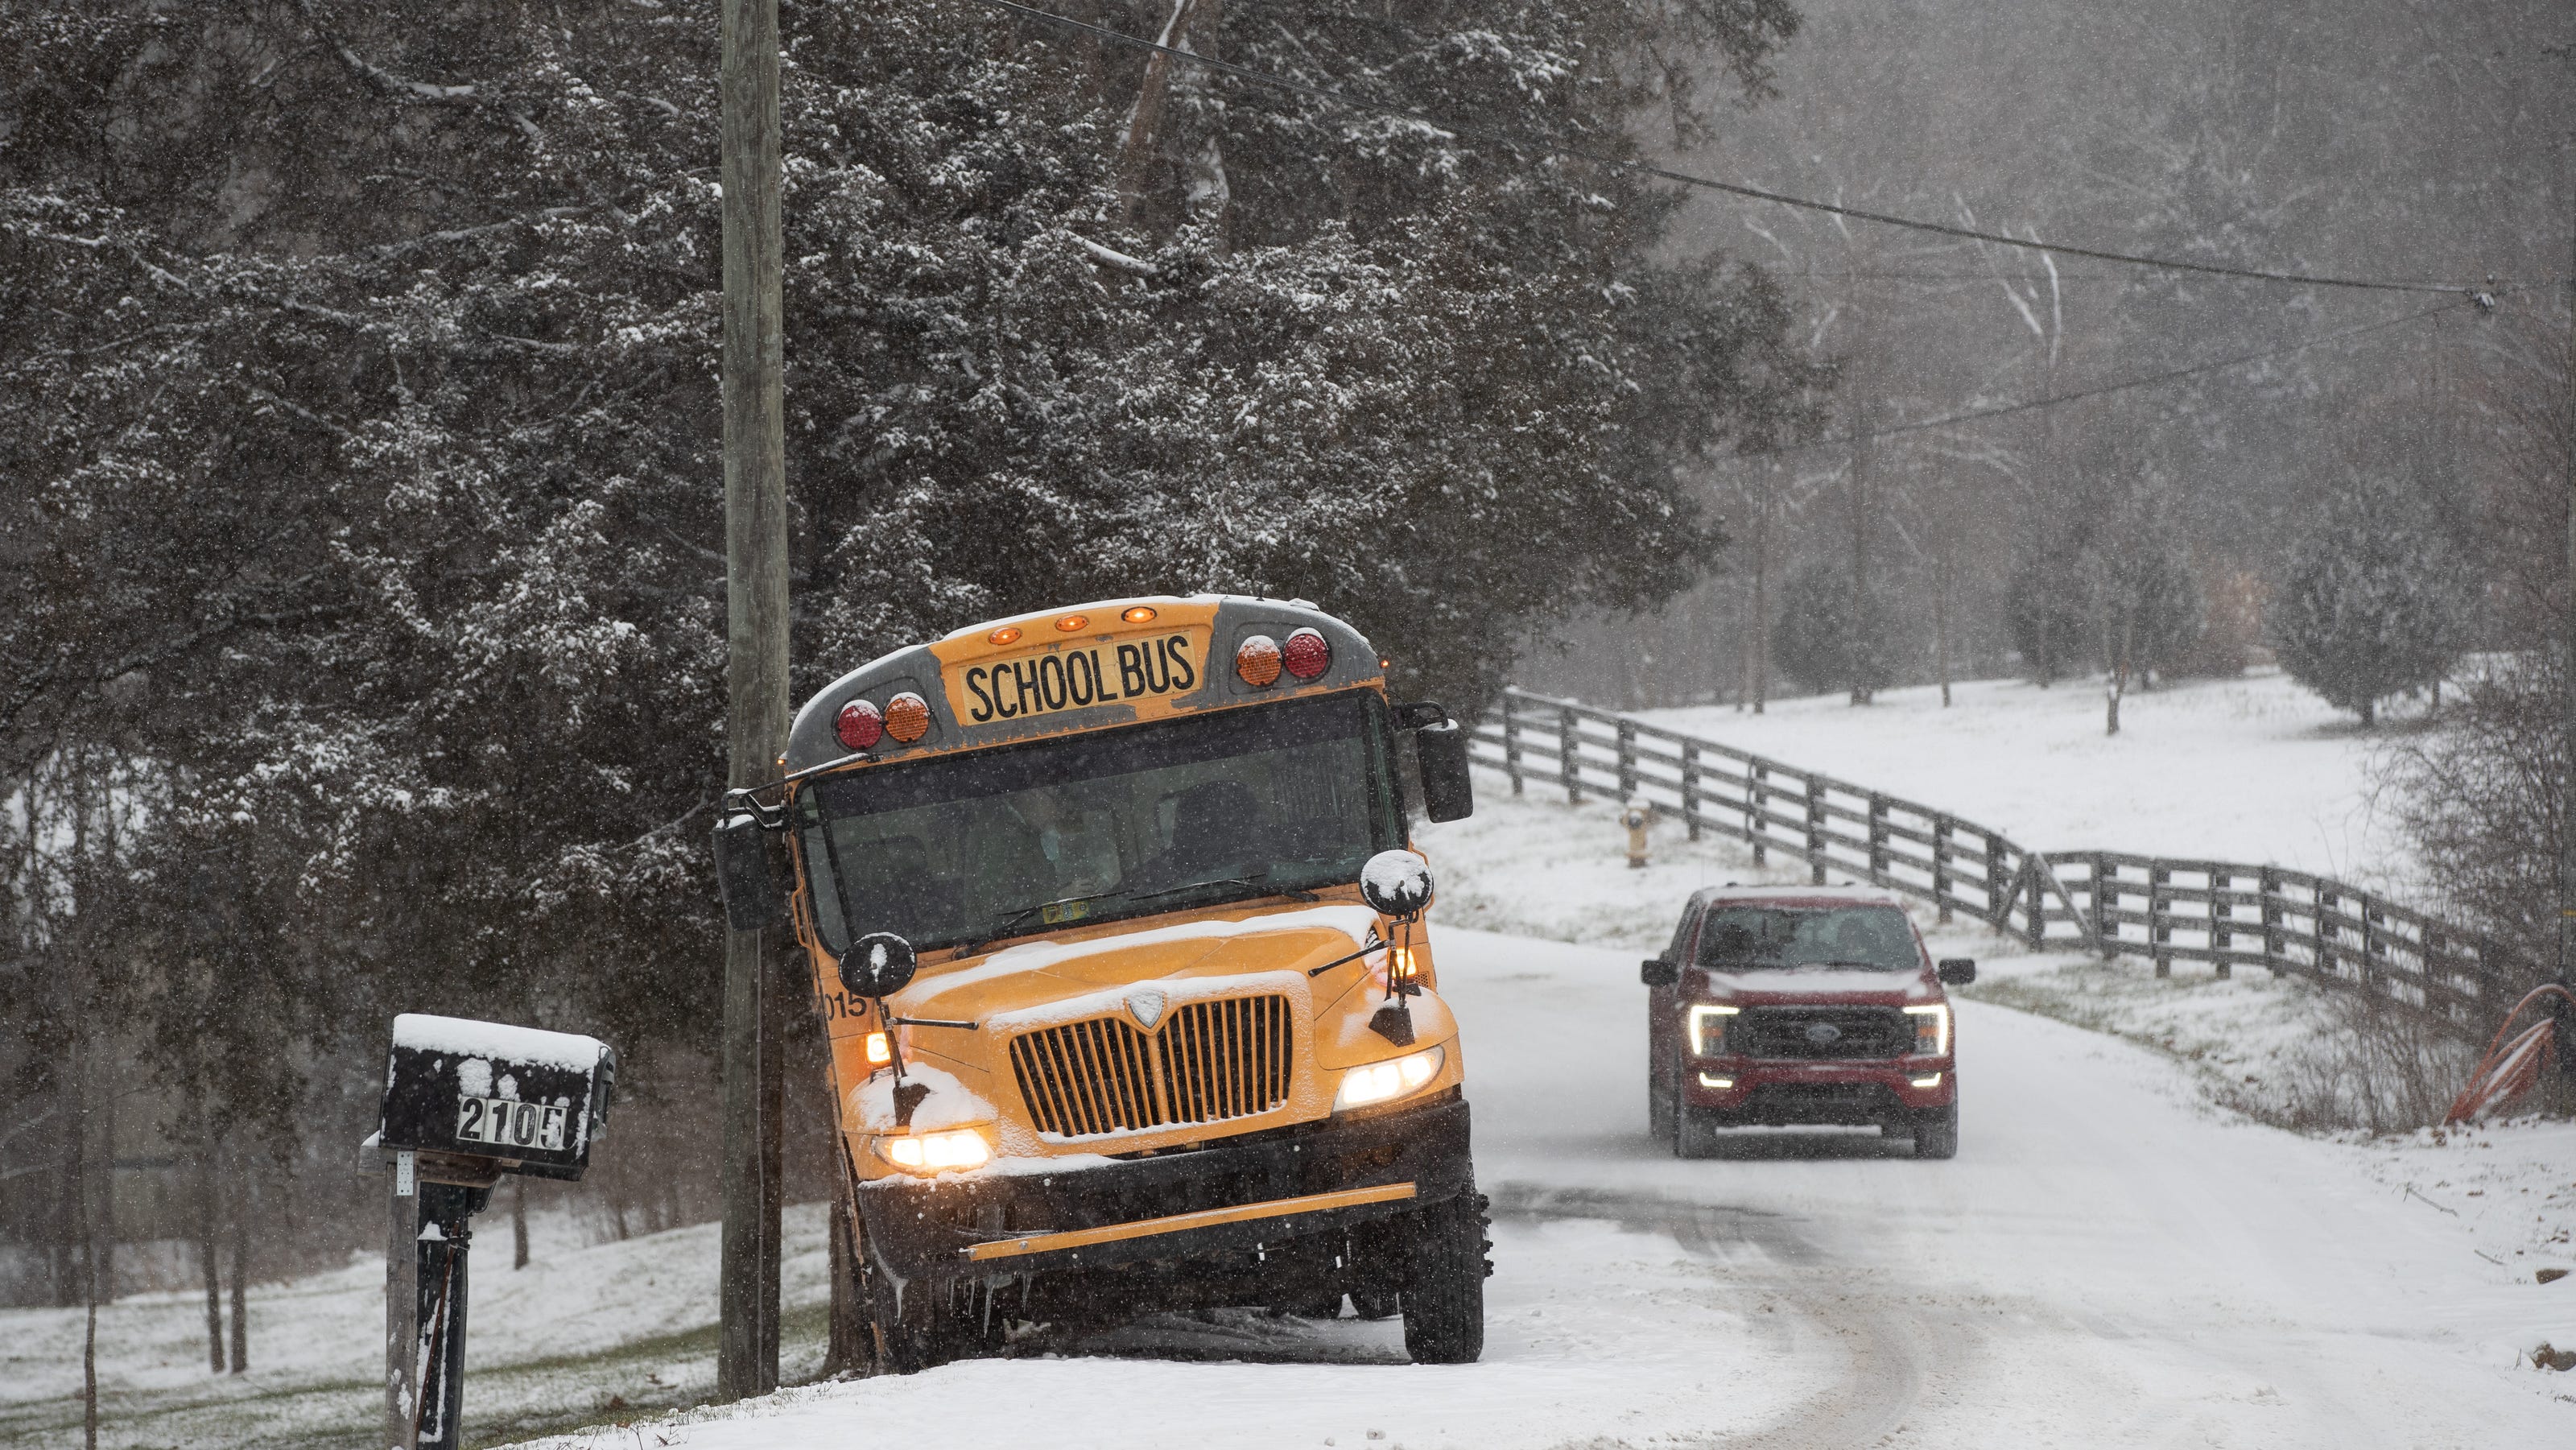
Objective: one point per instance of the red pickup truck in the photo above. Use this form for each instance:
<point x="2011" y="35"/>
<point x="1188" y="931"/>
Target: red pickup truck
<point x="1781" y="1005"/>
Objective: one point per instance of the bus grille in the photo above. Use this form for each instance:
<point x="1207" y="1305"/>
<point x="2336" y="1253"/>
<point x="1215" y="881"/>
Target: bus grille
<point x="1206" y="1062"/>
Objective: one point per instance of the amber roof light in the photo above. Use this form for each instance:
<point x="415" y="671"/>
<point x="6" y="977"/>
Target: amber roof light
<point x="1072" y="622"/>
<point x="1140" y="614"/>
<point x="1004" y="635"/>
<point x="907" y="717"/>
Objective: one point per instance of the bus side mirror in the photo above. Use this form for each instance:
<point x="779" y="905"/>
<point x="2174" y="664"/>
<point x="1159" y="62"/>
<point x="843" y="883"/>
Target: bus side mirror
<point x="1659" y="972"/>
<point x="1958" y="971"/>
<point x="752" y="900"/>
<point x="1440" y="755"/>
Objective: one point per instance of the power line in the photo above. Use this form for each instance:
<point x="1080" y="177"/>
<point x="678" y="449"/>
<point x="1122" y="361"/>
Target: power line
<point x="1684" y="178"/>
<point x="1979" y="415"/>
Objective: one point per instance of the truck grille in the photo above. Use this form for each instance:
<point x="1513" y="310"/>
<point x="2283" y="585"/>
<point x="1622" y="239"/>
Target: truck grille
<point x="1821" y="1032"/>
<point x="1206" y="1062"/>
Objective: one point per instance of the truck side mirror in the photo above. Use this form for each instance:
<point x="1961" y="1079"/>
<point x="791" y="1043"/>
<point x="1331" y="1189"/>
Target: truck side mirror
<point x="752" y="899"/>
<point x="1659" y="972"/>
<point x="1958" y="971"/>
<point x="1440" y="755"/>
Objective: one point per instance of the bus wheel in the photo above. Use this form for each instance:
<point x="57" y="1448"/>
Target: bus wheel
<point x="917" y="1325"/>
<point x="1444" y="1289"/>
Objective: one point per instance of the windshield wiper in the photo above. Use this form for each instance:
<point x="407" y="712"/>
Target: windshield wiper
<point x="1251" y="881"/>
<point x="1002" y="928"/>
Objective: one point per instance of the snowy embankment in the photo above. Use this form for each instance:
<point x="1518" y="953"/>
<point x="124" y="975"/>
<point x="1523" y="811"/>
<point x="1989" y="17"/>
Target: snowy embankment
<point x="585" y="1331"/>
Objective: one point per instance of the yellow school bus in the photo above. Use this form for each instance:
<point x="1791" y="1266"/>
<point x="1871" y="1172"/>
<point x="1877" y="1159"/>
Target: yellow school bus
<point x="1114" y="919"/>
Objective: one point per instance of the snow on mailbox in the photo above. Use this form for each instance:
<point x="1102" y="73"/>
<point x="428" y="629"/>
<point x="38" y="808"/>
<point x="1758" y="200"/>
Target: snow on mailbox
<point x="529" y="1101"/>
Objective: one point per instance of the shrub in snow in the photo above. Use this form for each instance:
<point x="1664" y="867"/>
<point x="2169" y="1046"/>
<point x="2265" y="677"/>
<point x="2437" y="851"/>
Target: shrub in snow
<point x="1829" y="636"/>
<point x="2146" y="601"/>
<point x="2376" y="600"/>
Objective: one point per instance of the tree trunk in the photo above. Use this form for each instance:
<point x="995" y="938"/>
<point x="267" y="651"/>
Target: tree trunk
<point x="1856" y="647"/>
<point x="241" y="1201"/>
<point x="1941" y="624"/>
<point x="209" y="1211"/>
<point x="1760" y="685"/>
<point x="80" y="1173"/>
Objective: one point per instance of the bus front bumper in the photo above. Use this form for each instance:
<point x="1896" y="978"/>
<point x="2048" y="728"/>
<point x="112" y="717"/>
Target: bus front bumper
<point x="1229" y="1196"/>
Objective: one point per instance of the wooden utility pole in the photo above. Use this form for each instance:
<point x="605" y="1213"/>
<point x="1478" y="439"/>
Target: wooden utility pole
<point x="755" y="474"/>
<point x="2567" y="684"/>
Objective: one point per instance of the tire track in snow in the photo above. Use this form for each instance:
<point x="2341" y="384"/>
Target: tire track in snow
<point x="1881" y="1379"/>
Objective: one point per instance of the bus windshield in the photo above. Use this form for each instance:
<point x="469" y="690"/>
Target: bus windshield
<point x="1754" y="938"/>
<point x="1226" y="806"/>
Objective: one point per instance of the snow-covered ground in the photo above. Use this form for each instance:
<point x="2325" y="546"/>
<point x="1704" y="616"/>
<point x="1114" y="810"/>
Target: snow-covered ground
<point x="2108" y="1262"/>
<point x="2252" y="769"/>
<point x="584" y="1331"/>
<point x="2113" y="1259"/>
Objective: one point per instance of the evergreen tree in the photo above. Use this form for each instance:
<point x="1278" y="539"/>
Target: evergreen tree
<point x="2376" y="600"/>
<point x="1826" y="637"/>
<point x="2048" y="606"/>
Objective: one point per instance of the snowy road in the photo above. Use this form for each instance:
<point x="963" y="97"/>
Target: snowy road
<point x="2105" y="1264"/>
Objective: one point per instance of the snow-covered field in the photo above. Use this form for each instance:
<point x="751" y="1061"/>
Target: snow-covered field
<point x="2251" y="769"/>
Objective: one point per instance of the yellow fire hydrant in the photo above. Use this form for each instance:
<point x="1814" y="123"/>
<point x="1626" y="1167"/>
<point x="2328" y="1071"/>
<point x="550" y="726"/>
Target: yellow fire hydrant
<point x="1636" y="817"/>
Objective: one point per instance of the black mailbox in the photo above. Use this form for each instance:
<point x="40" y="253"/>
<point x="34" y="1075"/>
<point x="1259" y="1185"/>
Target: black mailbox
<point x="521" y="1099"/>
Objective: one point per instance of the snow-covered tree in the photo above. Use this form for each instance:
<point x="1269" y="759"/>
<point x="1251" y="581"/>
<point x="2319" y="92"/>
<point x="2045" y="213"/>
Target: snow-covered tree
<point x="2377" y="599"/>
<point x="1828" y="637"/>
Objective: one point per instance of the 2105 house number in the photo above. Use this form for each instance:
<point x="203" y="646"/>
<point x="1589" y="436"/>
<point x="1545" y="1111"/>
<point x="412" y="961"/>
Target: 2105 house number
<point x="505" y="1123"/>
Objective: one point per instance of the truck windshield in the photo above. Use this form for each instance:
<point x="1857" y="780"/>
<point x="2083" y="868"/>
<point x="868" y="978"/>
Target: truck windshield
<point x="1225" y="806"/>
<point x="1754" y="938"/>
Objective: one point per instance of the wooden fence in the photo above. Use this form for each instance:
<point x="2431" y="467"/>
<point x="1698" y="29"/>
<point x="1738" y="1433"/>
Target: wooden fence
<point x="2158" y="908"/>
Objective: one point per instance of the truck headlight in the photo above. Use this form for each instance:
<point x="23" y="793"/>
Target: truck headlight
<point x="1931" y="1029"/>
<point x="1707" y="1024"/>
<point x="1381" y="1082"/>
<point x="932" y="1152"/>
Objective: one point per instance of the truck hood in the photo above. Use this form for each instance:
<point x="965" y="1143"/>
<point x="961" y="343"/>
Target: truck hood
<point x="1822" y="986"/>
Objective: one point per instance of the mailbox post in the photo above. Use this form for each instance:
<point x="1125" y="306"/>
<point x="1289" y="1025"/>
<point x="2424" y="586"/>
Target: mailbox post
<point x="466" y="1102"/>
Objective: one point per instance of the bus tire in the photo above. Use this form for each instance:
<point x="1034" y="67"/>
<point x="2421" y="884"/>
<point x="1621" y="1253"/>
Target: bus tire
<point x="916" y="1324"/>
<point x="1444" y="1290"/>
<point x="1936" y="1134"/>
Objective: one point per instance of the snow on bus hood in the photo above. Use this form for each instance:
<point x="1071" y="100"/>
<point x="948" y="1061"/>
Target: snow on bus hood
<point x="1038" y="975"/>
<point x="1806" y="982"/>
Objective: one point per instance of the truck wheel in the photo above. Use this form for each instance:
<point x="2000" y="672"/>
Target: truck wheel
<point x="1694" y="1136"/>
<point x="1659" y="1109"/>
<point x="1936" y="1134"/>
<point x="1444" y="1289"/>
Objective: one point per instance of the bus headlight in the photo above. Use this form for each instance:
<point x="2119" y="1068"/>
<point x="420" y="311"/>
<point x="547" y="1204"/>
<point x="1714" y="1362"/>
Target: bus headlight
<point x="1381" y="1082"/>
<point x="1931" y="1029"/>
<point x="935" y="1152"/>
<point x="1708" y="1026"/>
